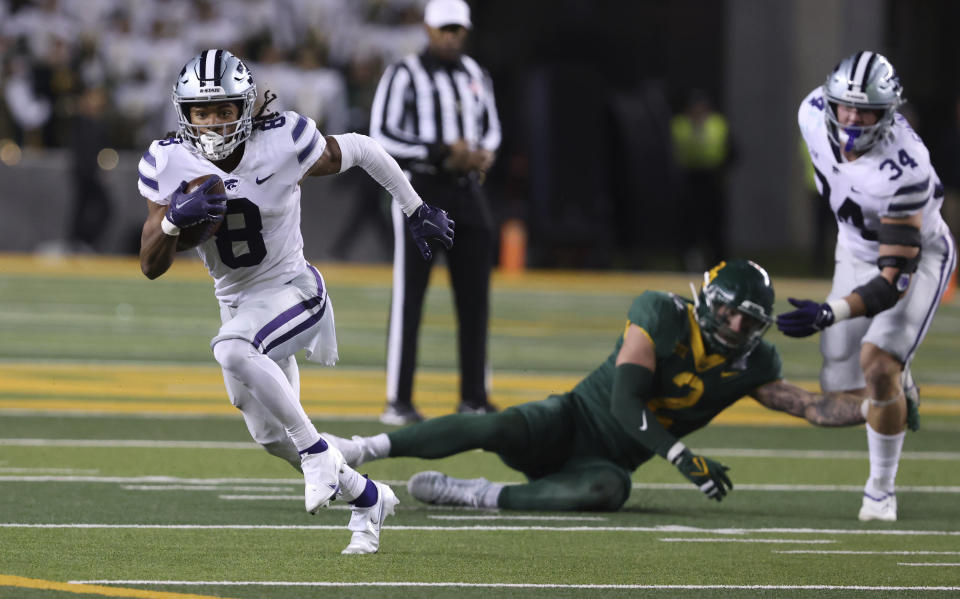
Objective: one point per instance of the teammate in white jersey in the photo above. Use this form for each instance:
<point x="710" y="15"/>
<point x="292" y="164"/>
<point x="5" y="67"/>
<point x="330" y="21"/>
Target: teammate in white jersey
<point x="272" y="302"/>
<point x="894" y="256"/>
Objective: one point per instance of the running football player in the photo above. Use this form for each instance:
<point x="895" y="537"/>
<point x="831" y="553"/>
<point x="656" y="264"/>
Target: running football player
<point x="272" y="302"/>
<point x="677" y="364"/>
<point x="894" y="256"/>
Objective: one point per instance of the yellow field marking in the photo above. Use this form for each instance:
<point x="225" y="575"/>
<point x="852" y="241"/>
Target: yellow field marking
<point x="92" y="589"/>
<point x="341" y="392"/>
<point x="187" y="268"/>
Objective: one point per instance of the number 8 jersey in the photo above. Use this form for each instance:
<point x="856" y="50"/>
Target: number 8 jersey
<point x="893" y="179"/>
<point x="259" y="244"/>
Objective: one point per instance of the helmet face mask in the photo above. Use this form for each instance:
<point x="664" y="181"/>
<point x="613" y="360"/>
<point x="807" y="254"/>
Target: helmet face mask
<point x="868" y="82"/>
<point x="213" y="77"/>
<point x="734" y="307"/>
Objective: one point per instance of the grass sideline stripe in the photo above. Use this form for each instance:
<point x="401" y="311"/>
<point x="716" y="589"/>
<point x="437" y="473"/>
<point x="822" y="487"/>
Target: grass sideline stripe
<point x="655" y="529"/>
<point x="80" y="588"/>
<point x="523" y="585"/>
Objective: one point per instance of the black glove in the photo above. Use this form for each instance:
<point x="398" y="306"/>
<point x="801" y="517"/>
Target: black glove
<point x="711" y="477"/>
<point x="430" y="223"/>
<point x="807" y="319"/>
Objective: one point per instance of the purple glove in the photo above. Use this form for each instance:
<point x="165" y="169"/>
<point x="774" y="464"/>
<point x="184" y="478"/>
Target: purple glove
<point x="430" y="223"/>
<point x="197" y="206"/>
<point x="807" y="319"/>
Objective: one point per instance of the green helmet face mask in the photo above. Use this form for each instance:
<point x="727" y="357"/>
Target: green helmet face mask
<point x="734" y="307"/>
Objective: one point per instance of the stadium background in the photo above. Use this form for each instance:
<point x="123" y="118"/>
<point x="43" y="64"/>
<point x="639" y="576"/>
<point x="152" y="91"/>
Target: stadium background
<point x="585" y="91"/>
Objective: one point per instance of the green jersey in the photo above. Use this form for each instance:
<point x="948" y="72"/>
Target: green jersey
<point x="690" y="386"/>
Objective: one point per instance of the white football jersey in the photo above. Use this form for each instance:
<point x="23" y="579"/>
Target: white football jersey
<point x="259" y="243"/>
<point x="893" y="179"/>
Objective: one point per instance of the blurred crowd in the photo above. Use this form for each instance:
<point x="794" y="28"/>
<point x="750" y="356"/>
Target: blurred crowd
<point x="63" y="58"/>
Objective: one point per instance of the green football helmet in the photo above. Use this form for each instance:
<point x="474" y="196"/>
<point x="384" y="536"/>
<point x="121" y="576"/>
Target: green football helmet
<point x="730" y="289"/>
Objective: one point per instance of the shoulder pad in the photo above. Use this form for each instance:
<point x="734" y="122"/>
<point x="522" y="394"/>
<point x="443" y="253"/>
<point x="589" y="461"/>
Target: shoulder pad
<point x="152" y="163"/>
<point x="902" y="174"/>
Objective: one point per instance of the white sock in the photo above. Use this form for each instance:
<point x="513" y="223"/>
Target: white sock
<point x="884" y="461"/>
<point x="268" y="384"/>
<point x="489" y="497"/>
<point x="377" y="447"/>
<point x="352" y="483"/>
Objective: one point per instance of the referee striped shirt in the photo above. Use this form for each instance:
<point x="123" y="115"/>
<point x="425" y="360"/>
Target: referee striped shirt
<point x="423" y="105"/>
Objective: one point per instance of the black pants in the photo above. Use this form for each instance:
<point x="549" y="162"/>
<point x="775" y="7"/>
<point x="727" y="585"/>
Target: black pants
<point x="470" y="262"/>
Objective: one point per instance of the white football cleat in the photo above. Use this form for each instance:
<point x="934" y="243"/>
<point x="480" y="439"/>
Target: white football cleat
<point x="352" y="449"/>
<point x="366" y="522"/>
<point x="883" y="509"/>
<point x="321" y="477"/>
<point x="439" y="489"/>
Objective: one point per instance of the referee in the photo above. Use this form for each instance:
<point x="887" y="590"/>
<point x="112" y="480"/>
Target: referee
<point x="435" y="113"/>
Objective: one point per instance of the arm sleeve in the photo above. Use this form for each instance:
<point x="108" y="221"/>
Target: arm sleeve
<point x="632" y="386"/>
<point x="360" y="150"/>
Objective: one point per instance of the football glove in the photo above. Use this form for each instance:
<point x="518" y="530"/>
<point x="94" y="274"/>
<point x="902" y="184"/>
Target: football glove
<point x="807" y="319"/>
<point x="188" y="209"/>
<point x="710" y="476"/>
<point x="430" y="223"/>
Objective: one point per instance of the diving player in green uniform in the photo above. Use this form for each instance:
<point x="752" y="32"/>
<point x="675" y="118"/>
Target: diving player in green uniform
<point x="677" y="364"/>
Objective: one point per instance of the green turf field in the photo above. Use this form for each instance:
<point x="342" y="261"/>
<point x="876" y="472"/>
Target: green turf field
<point x="125" y="472"/>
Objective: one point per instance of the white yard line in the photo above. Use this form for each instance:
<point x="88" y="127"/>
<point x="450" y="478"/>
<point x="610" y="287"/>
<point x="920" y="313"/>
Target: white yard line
<point x="723" y="540"/>
<point x="818" y="454"/>
<point x="558" y="518"/>
<point x="654" y="529"/>
<point x="206" y="488"/>
<point x="843" y="552"/>
<point x="126" y="443"/>
<point x="718" y="451"/>
<point x="930" y="564"/>
<point x="146" y="480"/>
<point x="261" y="497"/>
<point x="793" y="488"/>
<point x="520" y="585"/>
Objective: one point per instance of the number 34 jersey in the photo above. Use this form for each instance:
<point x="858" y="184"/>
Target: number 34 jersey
<point x="893" y="179"/>
<point x="259" y="244"/>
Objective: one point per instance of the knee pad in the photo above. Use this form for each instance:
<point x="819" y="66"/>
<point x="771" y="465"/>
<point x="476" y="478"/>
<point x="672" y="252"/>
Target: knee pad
<point x="608" y="490"/>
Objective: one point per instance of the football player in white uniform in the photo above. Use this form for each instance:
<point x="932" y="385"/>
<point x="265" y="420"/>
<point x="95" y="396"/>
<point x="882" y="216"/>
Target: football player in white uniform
<point x="894" y="256"/>
<point x="272" y="302"/>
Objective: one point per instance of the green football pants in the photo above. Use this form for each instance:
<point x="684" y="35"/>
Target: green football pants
<point x="569" y="483"/>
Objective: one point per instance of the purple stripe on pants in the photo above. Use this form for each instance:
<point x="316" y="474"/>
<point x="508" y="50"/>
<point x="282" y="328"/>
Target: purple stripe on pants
<point x="291" y="313"/>
<point x="945" y="273"/>
<point x="303" y="326"/>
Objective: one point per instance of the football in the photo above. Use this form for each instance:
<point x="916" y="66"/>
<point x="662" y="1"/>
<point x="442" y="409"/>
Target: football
<point x="191" y="237"/>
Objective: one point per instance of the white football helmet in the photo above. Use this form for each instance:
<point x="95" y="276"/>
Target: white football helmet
<point x="866" y="81"/>
<point x="215" y="76"/>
